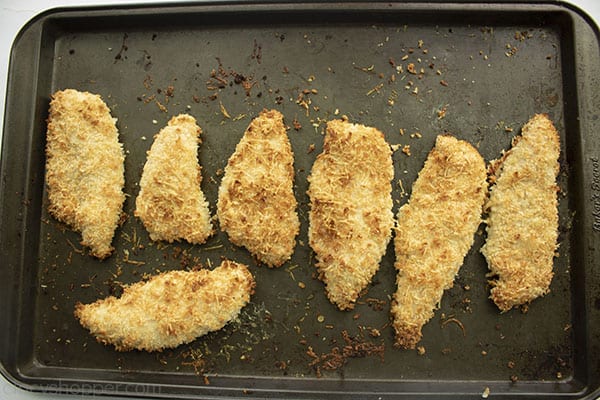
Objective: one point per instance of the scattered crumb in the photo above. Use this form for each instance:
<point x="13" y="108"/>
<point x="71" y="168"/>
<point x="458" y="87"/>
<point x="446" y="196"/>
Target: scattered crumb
<point x="224" y="111"/>
<point x="353" y="347"/>
<point x="406" y="149"/>
<point x="296" y="124"/>
<point x="376" y="89"/>
<point x="442" y="112"/>
<point x="486" y="393"/>
<point x="421" y="350"/>
<point x="374" y="332"/>
<point x="147" y="82"/>
<point x="161" y="107"/>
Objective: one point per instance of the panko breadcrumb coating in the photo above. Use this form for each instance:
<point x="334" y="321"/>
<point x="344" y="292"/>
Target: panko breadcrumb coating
<point x="85" y="168"/>
<point x="256" y="205"/>
<point x="170" y="309"/>
<point x="434" y="232"/>
<point x="522" y="222"/>
<point x="171" y="203"/>
<point x="351" y="219"/>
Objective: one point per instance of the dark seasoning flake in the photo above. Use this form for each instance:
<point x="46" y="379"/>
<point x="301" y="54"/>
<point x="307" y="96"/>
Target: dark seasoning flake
<point x="410" y="82"/>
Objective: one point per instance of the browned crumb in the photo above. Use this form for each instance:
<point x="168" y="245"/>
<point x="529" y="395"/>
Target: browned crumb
<point x="147" y="82"/>
<point x="296" y="124"/>
<point x="442" y="112"/>
<point x="354" y="347"/>
<point x="161" y="107"/>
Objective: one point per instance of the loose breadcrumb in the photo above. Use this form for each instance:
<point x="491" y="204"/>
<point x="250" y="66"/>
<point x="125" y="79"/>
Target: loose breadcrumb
<point x="171" y="203"/>
<point x="170" y="309"/>
<point x="350" y="219"/>
<point x="85" y="168"/>
<point x="256" y="205"/>
<point x="434" y="232"/>
<point x="522" y="222"/>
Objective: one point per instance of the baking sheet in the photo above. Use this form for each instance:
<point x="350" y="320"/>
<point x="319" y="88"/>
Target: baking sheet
<point x="479" y="72"/>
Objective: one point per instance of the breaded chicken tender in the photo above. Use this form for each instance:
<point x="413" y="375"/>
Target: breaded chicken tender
<point x="256" y="205"/>
<point x="85" y="168"/>
<point x="350" y="219"/>
<point x="170" y="309"/>
<point x="522" y="222"/>
<point x="434" y="232"/>
<point x="171" y="203"/>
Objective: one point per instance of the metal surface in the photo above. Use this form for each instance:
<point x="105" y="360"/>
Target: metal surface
<point x="490" y="67"/>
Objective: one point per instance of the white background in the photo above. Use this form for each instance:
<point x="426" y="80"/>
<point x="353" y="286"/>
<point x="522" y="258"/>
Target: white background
<point x="13" y="15"/>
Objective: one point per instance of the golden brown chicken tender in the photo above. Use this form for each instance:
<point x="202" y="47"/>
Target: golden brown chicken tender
<point x="351" y="215"/>
<point x="171" y="203"/>
<point x="257" y="206"/>
<point x="522" y="222"/>
<point x="434" y="232"/>
<point x="85" y="168"/>
<point x="170" y="309"/>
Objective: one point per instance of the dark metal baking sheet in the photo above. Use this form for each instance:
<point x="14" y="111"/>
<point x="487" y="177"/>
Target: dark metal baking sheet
<point x="490" y="66"/>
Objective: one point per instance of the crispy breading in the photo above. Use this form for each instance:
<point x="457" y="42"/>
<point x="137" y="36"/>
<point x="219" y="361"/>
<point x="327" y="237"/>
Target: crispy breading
<point x="256" y="205"/>
<point x="350" y="219"/>
<point x="171" y="203"/>
<point x="522" y="221"/>
<point x="170" y="309"/>
<point x="434" y="232"/>
<point x="85" y="168"/>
